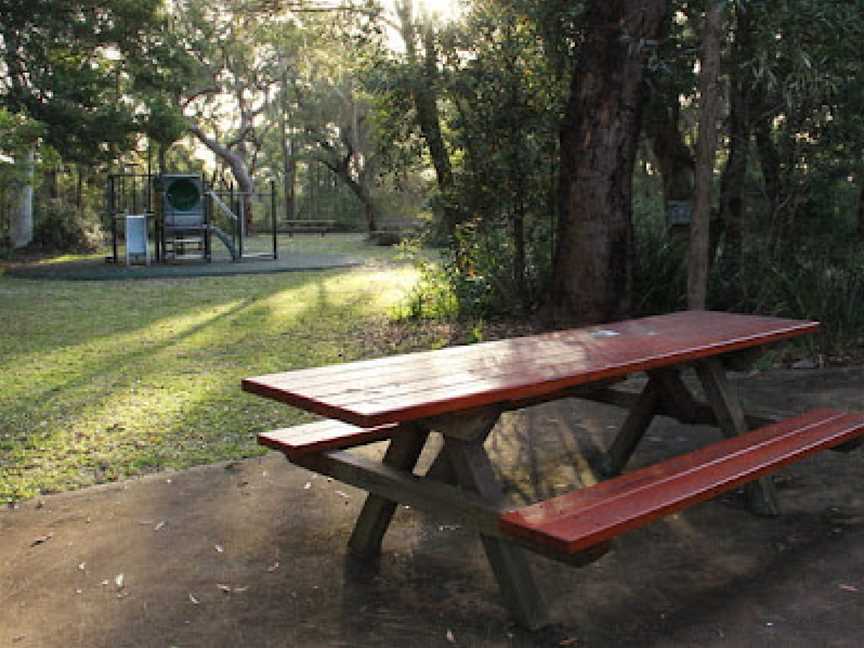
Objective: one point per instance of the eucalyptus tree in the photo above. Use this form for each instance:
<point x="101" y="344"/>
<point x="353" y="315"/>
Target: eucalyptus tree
<point x="230" y="85"/>
<point x="592" y="269"/>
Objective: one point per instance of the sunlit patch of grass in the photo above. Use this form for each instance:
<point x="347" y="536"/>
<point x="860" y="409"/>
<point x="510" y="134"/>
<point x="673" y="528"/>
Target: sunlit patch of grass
<point x="103" y="380"/>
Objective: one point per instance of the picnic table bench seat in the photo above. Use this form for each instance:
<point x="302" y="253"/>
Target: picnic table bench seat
<point x="578" y="520"/>
<point x="301" y="440"/>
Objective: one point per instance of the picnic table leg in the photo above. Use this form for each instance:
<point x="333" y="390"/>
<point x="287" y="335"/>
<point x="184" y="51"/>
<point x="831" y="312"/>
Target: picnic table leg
<point x="474" y="471"/>
<point x="377" y="512"/>
<point x="632" y="430"/>
<point x="761" y="494"/>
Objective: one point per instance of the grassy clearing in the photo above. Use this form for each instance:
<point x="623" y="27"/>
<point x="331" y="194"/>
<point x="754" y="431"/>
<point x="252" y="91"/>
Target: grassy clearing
<point x="104" y="380"/>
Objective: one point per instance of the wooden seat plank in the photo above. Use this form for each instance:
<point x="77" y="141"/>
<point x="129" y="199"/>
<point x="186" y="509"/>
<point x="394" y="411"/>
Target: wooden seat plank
<point x="413" y="386"/>
<point x="583" y="518"/>
<point x="301" y="440"/>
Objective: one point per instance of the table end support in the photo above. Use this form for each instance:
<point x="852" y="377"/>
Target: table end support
<point x="509" y="564"/>
<point x="374" y="519"/>
<point x="761" y="494"/>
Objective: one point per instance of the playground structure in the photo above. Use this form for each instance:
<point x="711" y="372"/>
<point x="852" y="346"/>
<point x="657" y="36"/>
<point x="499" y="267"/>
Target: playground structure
<point x="186" y="214"/>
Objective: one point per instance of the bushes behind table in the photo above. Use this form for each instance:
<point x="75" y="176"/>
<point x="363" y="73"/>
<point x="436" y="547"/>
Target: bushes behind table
<point x="816" y="276"/>
<point x="60" y="226"/>
<point x="483" y="283"/>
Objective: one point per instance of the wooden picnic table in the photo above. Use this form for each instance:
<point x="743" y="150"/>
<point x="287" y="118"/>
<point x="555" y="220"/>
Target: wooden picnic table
<point x="460" y="392"/>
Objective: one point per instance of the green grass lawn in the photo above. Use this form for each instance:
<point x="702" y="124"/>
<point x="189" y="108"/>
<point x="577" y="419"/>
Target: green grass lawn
<point x="103" y="380"/>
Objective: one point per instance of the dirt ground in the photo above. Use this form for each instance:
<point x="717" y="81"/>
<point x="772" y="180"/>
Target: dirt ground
<point x="253" y="554"/>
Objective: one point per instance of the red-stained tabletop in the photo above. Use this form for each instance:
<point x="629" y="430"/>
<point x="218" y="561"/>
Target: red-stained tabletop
<point x="430" y="383"/>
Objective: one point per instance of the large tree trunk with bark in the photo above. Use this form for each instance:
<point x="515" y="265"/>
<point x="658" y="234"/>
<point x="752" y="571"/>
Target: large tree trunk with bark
<point x="706" y="149"/>
<point x="593" y="262"/>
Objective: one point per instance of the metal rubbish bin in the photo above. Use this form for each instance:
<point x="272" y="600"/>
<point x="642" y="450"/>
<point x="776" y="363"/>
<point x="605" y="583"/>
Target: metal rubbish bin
<point x="136" y="239"/>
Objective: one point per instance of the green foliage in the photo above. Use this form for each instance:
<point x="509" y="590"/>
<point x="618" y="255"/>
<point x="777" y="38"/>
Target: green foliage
<point x="818" y="276"/>
<point x="56" y="56"/>
<point x="63" y="227"/>
<point x="481" y="283"/>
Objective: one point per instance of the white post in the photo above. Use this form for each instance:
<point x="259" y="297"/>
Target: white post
<point x="21" y="227"/>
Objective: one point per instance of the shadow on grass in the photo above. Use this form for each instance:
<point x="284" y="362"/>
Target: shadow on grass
<point x="191" y="410"/>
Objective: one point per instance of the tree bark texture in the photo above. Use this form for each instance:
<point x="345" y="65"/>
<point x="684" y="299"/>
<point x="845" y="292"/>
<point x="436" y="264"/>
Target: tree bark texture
<point x="592" y="268"/>
<point x="706" y="149"/>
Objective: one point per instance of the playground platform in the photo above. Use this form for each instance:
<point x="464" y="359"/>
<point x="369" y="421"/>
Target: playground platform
<point x="98" y="270"/>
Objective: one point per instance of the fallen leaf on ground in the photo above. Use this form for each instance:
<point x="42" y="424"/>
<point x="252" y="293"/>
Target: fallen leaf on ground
<point x="232" y="590"/>
<point x="160" y="525"/>
<point x="41" y="539"/>
<point x="192" y="598"/>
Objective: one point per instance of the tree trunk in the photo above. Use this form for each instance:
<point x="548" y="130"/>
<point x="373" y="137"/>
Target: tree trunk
<point x="359" y="189"/>
<point x="674" y="158"/>
<point x="861" y="207"/>
<point x="237" y="163"/>
<point x="289" y="173"/>
<point x="163" y="157"/>
<point x="735" y="173"/>
<point x="594" y="253"/>
<point x="426" y="104"/>
<point x="79" y="186"/>
<point x="706" y="149"/>
<point x="769" y="161"/>
<point x="21" y="227"/>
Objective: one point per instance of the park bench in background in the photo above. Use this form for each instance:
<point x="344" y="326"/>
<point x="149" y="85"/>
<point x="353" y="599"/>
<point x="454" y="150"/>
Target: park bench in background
<point x="302" y="226"/>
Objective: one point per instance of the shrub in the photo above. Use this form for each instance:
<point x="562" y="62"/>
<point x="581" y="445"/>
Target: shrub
<point x="63" y="227"/>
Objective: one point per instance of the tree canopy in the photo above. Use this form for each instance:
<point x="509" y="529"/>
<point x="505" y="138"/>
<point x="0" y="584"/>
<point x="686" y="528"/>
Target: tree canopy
<point x="543" y="143"/>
